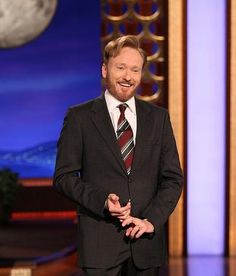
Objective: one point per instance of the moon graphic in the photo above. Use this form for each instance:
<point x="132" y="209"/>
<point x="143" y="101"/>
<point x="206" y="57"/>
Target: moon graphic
<point x="23" y="20"/>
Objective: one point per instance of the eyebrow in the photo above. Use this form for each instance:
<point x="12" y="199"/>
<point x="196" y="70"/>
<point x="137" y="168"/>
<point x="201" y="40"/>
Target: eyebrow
<point x="124" y="64"/>
<point x="118" y="63"/>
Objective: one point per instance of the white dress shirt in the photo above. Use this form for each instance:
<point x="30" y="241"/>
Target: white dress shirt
<point x="130" y="112"/>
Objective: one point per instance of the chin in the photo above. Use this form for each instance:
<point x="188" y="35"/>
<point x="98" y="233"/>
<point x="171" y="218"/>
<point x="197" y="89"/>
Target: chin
<point x="125" y="98"/>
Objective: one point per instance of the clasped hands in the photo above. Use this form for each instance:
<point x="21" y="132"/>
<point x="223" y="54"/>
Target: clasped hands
<point x="136" y="226"/>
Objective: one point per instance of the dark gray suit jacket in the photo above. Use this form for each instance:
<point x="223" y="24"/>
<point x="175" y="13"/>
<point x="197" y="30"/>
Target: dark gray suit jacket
<point x="89" y="166"/>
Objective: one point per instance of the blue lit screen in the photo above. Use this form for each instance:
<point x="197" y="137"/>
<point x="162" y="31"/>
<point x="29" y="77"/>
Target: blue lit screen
<point x="40" y="80"/>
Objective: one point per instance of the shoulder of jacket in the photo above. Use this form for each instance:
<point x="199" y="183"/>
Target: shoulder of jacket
<point x="85" y="107"/>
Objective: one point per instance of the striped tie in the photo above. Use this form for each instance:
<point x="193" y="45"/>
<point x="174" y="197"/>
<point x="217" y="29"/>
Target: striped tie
<point x="125" y="138"/>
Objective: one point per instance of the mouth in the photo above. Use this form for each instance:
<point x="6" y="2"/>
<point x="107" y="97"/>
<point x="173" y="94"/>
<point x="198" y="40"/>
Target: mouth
<point x="125" y="84"/>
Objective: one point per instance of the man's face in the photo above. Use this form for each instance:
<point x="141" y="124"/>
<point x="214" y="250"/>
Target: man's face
<point x="123" y="73"/>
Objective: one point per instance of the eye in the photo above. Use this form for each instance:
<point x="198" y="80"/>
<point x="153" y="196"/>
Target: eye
<point x="136" y="70"/>
<point x="120" y="67"/>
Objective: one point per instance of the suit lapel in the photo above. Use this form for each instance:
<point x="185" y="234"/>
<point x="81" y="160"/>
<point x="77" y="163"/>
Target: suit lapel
<point x="144" y="124"/>
<point x="102" y="121"/>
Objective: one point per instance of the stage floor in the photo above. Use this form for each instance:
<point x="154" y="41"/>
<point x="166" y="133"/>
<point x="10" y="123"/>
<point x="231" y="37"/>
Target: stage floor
<point x="192" y="266"/>
<point x="40" y="247"/>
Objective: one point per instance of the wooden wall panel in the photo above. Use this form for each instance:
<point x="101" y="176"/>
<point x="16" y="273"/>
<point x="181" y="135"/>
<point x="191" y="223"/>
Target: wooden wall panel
<point x="232" y="125"/>
<point x="176" y="94"/>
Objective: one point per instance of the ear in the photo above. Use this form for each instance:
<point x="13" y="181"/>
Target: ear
<point x="104" y="70"/>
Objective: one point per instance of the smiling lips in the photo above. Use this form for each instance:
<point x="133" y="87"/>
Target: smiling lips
<point x="125" y="84"/>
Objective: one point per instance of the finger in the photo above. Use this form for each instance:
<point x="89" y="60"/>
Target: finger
<point x="113" y="197"/>
<point x="139" y="233"/>
<point x="113" y="207"/>
<point x="119" y="216"/>
<point x="127" y="221"/>
<point x="134" y="231"/>
<point x="128" y="203"/>
<point x="114" y="214"/>
<point x="125" y="208"/>
<point x="122" y="218"/>
<point x="128" y="231"/>
<point x="128" y="211"/>
<point x="122" y="211"/>
<point x="131" y="220"/>
<point x="125" y="215"/>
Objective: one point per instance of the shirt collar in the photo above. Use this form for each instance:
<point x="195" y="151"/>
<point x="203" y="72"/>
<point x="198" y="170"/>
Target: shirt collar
<point x="112" y="102"/>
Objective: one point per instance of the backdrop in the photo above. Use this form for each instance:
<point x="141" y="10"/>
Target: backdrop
<point x="40" y="80"/>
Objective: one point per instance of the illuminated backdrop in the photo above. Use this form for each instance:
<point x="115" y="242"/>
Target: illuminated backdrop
<point x="38" y="82"/>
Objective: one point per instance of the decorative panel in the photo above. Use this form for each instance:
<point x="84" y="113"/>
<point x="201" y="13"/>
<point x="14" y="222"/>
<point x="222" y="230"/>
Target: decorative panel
<point x="146" y="20"/>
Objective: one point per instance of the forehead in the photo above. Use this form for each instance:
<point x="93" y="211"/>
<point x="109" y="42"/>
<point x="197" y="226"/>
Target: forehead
<point x="128" y="56"/>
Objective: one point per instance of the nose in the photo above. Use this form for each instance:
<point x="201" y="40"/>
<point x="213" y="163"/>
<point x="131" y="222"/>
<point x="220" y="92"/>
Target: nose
<point x="127" y="75"/>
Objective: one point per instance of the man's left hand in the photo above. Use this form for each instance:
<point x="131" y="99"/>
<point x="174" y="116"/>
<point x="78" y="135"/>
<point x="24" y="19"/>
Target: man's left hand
<point x="137" y="227"/>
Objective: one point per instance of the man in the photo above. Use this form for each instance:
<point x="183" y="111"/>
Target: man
<point x="117" y="159"/>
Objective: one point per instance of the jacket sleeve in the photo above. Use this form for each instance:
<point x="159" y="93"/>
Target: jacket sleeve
<point x="68" y="168"/>
<point x="170" y="180"/>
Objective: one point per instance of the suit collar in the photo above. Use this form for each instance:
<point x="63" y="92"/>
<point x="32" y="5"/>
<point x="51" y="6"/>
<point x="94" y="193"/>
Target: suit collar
<point x="113" y="103"/>
<point x="102" y="121"/>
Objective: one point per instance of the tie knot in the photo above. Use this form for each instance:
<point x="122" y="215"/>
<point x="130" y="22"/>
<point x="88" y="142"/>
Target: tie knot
<point x="122" y="108"/>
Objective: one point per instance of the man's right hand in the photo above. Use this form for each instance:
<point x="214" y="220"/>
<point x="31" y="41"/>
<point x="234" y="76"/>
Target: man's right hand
<point x="114" y="207"/>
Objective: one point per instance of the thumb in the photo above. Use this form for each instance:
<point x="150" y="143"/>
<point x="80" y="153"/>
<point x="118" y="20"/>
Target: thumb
<point x="113" y="197"/>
